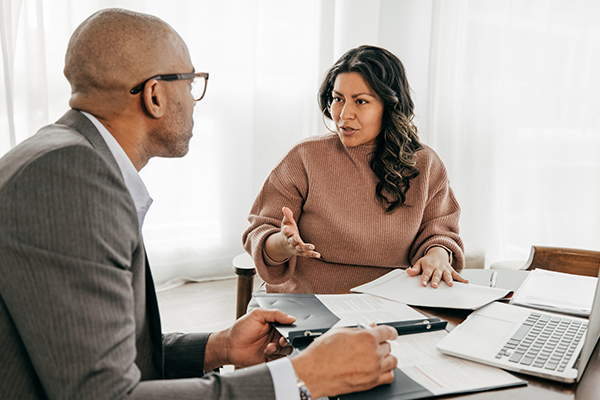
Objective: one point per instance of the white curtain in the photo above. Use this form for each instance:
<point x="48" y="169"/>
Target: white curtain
<point x="514" y="112"/>
<point x="503" y="92"/>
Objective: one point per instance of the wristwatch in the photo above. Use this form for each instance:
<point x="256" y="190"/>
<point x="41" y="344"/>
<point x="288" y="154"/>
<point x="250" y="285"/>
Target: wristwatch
<point x="303" y="390"/>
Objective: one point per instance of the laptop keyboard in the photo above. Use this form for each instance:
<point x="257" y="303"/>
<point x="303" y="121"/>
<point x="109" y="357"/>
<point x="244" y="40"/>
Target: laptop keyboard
<point x="544" y="342"/>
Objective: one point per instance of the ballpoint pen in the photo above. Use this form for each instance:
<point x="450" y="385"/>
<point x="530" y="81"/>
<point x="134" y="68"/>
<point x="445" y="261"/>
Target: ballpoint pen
<point x="493" y="278"/>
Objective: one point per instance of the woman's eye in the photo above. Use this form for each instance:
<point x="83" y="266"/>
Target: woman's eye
<point x="361" y="101"/>
<point x="337" y="99"/>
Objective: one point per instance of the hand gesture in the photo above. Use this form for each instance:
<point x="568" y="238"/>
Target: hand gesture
<point x="250" y="340"/>
<point x="347" y="360"/>
<point x="287" y="242"/>
<point x="435" y="266"/>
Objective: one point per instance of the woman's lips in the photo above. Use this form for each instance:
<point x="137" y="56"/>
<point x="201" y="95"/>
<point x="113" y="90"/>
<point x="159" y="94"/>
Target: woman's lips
<point x="348" y="130"/>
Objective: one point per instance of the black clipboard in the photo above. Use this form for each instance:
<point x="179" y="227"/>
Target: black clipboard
<point x="313" y="318"/>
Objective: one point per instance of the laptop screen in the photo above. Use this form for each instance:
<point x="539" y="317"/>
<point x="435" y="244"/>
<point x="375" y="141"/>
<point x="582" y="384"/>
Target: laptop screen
<point x="593" y="332"/>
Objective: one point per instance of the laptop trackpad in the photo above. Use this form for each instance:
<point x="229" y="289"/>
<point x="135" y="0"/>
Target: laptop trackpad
<point x="481" y="334"/>
<point x="488" y="327"/>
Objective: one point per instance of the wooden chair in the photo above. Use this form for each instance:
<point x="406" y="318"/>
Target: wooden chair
<point x="243" y="267"/>
<point x="571" y="261"/>
<point x="245" y="271"/>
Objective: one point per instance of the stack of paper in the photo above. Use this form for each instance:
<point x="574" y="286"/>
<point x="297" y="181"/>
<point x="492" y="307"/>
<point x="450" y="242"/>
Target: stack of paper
<point x="424" y="372"/>
<point x="558" y="292"/>
<point x="397" y="285"/>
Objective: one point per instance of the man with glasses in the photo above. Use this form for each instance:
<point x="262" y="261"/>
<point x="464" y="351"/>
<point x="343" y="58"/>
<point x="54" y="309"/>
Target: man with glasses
<point x="78" y="311"/>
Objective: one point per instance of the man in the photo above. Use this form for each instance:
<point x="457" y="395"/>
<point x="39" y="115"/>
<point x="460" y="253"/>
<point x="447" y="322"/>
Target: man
<point x="78" y="311"/>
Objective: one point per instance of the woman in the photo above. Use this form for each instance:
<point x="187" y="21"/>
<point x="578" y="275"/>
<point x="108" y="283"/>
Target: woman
<point x="342" y="209"/>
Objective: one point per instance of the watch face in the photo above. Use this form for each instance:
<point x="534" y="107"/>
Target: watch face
<point x="304" y="394"/>
<point x="303" y="391"/>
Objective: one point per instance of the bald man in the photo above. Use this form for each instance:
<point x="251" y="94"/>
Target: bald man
<point x="78" y="311"/>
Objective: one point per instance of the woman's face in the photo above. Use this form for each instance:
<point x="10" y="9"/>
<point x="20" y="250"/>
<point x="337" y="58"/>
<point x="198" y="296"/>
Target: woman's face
<point x="356" y="110"/>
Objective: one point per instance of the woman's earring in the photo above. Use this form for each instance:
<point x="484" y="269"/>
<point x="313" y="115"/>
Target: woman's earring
<point x="324" y="121"/>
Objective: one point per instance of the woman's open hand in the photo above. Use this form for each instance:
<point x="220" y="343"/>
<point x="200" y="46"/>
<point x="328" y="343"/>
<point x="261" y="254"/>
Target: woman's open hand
<point x="287" y="242"/>
<point x="435" y="267"/>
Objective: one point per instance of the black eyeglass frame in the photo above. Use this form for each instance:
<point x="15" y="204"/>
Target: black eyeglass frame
<point x="174" y="77"/>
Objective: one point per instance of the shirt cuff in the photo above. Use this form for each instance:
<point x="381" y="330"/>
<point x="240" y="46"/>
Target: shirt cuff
<point x="284" y="379"/>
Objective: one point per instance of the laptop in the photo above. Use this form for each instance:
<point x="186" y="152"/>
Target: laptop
<point x="539" y="343"/>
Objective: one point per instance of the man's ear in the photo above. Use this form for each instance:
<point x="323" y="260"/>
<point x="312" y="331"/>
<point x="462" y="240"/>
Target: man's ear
<point x="155" y="98"/>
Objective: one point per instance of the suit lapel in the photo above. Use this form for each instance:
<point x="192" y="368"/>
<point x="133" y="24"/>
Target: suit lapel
<point x="154" y="318"/>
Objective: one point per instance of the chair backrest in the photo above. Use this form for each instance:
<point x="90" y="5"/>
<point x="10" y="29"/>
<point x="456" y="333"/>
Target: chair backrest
<point x="571" y="261"/>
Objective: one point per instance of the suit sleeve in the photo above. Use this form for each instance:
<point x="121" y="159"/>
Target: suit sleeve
<point x="67" y="234"/>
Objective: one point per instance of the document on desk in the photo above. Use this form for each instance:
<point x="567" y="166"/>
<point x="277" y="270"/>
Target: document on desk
<point x="365" y="309"/>
<point x="316" y="314"/>
<point x="558" y="292"/>
<point x="424" y="372"/>
<point x="397" y="285"/>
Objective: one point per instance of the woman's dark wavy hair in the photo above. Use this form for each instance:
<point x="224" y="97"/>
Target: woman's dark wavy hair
<point x="394" y="161"/>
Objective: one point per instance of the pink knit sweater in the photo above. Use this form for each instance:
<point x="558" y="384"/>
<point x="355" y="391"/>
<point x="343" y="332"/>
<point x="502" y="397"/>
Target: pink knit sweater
<point x="331" y="190"/>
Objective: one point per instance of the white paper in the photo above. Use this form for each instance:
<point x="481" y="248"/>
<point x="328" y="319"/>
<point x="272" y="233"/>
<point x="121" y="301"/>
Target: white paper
<point x="397" y="285"/>
<point x="354" y="309"/>
<point x="420" y="360"/>
<point x="557" y="291"/>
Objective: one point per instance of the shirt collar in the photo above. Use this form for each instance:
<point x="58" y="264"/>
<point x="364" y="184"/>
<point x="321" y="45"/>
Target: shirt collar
<point x="133" y="181"/>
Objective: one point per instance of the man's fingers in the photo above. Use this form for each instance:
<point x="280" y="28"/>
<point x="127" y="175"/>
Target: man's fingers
<point x="389" y="363"/>
<point x="273" y="316"/>
<point x="284" y="343"/>
<point x="273" y="349"/>
<point x="383" y="333"/>
<point x="386" y="378"/>
<point x="384" y="349"/>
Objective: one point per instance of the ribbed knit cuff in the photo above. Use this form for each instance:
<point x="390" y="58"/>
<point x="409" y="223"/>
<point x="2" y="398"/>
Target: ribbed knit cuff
<point x="269" y="261"/>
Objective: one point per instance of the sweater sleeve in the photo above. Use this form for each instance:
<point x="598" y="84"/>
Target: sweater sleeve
<point x="439" y="226"/>
<point x="286" y="186"/>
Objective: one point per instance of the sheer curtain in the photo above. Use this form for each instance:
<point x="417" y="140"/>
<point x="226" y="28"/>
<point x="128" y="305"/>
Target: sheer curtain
<point x="514" y="108"/>
<point x="504" y="92"/>
<point x="263" y="59"/>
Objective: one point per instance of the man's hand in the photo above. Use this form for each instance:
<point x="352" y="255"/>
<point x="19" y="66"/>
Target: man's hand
<point x="287" y="242"/>
<point x="435" y="266"/>
<point x="250" y="340"/>
<point x="347" y="360"/>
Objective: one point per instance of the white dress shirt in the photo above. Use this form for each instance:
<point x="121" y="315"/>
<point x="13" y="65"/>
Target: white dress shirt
<point x="282" y="371"/>
<point x="133" y="181"/>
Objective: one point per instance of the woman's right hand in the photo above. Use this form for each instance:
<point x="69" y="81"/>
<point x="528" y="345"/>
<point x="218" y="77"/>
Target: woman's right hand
<point x="287" y="242"/>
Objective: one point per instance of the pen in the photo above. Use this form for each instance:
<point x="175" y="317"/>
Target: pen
<point x="416" y="326"/>
<point x="363" y="326"/>
<point x="493" y="279"/>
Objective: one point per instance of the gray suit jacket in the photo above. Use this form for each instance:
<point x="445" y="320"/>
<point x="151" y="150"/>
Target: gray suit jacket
<point x="78" y="311"/>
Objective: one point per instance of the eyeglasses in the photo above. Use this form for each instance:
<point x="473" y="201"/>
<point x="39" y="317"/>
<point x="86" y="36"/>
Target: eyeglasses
<point x="198" y="85"/>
